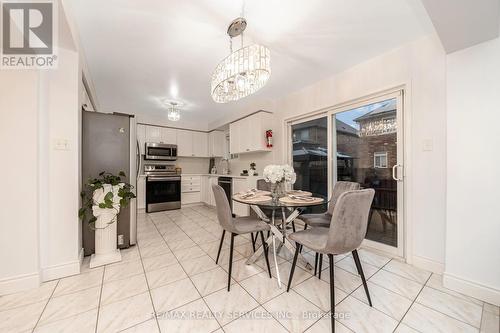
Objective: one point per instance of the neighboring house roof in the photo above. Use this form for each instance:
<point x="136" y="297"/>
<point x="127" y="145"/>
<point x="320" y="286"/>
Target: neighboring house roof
<point x="345" y="128"/>
<point x="383" y="110"/>
<point x="321" y="152"/>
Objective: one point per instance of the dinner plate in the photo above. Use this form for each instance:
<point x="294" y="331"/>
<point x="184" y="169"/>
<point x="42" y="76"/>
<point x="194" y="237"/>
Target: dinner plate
<point x="255" y="199"/>
<point x="299" y="193"/>
<point x="298" y="201"/>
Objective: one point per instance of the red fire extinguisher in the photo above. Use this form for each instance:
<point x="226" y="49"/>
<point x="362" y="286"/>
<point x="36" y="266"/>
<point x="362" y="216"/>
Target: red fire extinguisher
<point x="269" y="138"/>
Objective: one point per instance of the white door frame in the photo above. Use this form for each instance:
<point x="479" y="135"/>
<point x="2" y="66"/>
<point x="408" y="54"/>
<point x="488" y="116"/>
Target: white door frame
<point x="404" y="246"/>
<point x="398" y="95"/>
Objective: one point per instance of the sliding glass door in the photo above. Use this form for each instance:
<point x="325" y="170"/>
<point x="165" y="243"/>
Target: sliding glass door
<point x="367" y="141"/>
<point x="363" y="143"/>
<point x="309" y="144"/>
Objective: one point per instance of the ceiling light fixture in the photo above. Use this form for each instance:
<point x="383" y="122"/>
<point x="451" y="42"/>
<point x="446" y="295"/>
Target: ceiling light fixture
<point x="173" y="112"/>
<point x="244" y="71"/>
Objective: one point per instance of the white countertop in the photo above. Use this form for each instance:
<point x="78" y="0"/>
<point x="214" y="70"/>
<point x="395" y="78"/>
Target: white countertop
<point x="212" y="175"/>
<point x="216" y="175"/>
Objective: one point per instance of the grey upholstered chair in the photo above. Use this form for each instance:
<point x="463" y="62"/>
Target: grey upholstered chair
<point x="347" y="231"/>
<point x="323" y="220"/>
<point x="236" y="226"/>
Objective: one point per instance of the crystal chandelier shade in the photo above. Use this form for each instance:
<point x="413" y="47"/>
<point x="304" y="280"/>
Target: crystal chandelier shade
<point x="241" y="74"/>
<point x="244" y="71"/>
<point x="173" y="113"/>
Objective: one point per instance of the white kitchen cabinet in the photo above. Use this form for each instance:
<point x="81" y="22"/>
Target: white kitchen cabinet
<point x="205" y="198"/>
<point x="200" y="144"/>
<point x="141" y="192"/>
<point x="234" y="137"/>
<point x="192" y="143"/>
<point x="159" y="134"/>
<point x="153" y="134"/>
<point x="216" y="142"/>
<point x="168" y="135"/>
<point x="211" y="181"/>
<point x="141" y="137"/>
<point x="249" y="134"/>
<point x="190" y="189"/>
<point x="184" y="143"/>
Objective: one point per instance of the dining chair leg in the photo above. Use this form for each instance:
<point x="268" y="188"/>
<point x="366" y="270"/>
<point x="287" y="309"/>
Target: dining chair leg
<point x="294" y="263"/>
<point x="357" y="268"/>
<point x="332" y="292"/>
<point x="220" y="245"/>
<point x="266" y="252"/>
<point x="305" y="226"/>
<point x="230" y="261"/>
<point x="293" y="226"/>
<point x="316" y="263"/>
<point x="253" y="240"/>
<point x="360" y="270"/>
<point x="320" y="265"/>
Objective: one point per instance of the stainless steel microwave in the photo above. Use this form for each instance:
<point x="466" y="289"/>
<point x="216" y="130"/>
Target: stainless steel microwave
<point x="160" y="152"/>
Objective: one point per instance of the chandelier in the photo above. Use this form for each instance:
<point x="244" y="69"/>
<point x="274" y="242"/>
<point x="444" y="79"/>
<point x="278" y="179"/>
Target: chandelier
<point x="173" y="112"/>
<point x="244" y="71"/>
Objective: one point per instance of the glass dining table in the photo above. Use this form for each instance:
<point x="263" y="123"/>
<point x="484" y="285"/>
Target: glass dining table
<point x="289" y="207"/>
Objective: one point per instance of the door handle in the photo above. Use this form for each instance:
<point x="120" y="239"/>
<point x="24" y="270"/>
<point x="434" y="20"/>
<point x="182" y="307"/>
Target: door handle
<point x="395" y="172"/>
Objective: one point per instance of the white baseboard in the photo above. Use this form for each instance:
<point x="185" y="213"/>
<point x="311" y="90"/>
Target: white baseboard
<point x="62" y="270"/>
<point x="473" y="289"/>
<point x="193" y="204"/>
<point x="19" y="283"/>
<point x="428" y="264"/>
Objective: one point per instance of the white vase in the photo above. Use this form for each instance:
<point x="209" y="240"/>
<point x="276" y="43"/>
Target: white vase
<point x="106" y="251"/>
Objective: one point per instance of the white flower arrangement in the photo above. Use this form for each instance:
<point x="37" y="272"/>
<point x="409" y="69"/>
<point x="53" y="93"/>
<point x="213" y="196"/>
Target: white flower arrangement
<point x="279" y="173"/>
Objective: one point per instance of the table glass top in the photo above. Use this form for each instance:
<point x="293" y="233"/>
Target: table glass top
<point x="271" y="204"/>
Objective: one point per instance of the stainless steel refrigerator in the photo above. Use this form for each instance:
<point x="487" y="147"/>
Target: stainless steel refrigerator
<point x="109" y="144"/>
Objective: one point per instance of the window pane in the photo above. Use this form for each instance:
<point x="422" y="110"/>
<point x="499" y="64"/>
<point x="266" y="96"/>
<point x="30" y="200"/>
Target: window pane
<point x="366" y="149"/>
<point x="310" y="158"/>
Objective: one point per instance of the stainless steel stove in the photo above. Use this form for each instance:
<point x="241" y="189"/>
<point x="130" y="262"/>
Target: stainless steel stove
<point x="163" y="187"/>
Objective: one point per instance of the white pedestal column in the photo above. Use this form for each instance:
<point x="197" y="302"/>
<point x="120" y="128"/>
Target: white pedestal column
<point x="106" y="251"/>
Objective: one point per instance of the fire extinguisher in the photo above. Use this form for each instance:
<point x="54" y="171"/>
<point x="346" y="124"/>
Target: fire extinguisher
<point x="269" y="138"/>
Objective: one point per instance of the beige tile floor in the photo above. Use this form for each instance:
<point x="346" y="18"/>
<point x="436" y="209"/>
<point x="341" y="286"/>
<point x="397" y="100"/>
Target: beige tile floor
<point x="170" y="283"/>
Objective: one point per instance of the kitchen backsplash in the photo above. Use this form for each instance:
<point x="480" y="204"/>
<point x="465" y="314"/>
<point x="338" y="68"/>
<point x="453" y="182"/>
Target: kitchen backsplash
<point x="193" y="164"/>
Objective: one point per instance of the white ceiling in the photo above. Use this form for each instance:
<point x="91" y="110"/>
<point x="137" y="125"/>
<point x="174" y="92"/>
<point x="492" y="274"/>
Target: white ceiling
<point x="469" y="23"/>
<point x="142" y="51"/>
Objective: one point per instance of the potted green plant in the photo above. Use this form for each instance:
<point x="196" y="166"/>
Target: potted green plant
<point x="102" y="199"/>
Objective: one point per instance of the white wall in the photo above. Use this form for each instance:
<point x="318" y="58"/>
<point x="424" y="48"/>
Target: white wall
<point x="473" y="219"/>
<point x="59" y="118"/>
<point x="18" y="167"/>
<point x="421" y="66"/>
<point x="39" y="238"/>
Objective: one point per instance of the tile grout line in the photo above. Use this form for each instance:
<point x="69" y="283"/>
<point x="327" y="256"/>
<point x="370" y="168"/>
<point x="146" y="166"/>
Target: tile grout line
<point x="220" y="326"/>
<point x="349" y="294"/>
<point x="236" y="282"/>
<point x="440" y="312"/>
<point x="100" y="295"/>
<point x="45" y="307"/>
<point x="481" y="320"/>
<point x="149" y="289"/>
<point x="411" y="305"/>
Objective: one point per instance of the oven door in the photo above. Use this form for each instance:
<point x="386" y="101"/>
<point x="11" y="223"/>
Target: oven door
<point x="163" y="193"/>
<point x="160" y="152"/>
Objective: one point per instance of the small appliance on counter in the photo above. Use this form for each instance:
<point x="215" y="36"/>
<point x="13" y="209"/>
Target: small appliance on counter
<point x="163" y="187"/>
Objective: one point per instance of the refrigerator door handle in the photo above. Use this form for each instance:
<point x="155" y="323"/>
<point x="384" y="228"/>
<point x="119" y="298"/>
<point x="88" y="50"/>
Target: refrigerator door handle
<point x="138" y="163"/>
